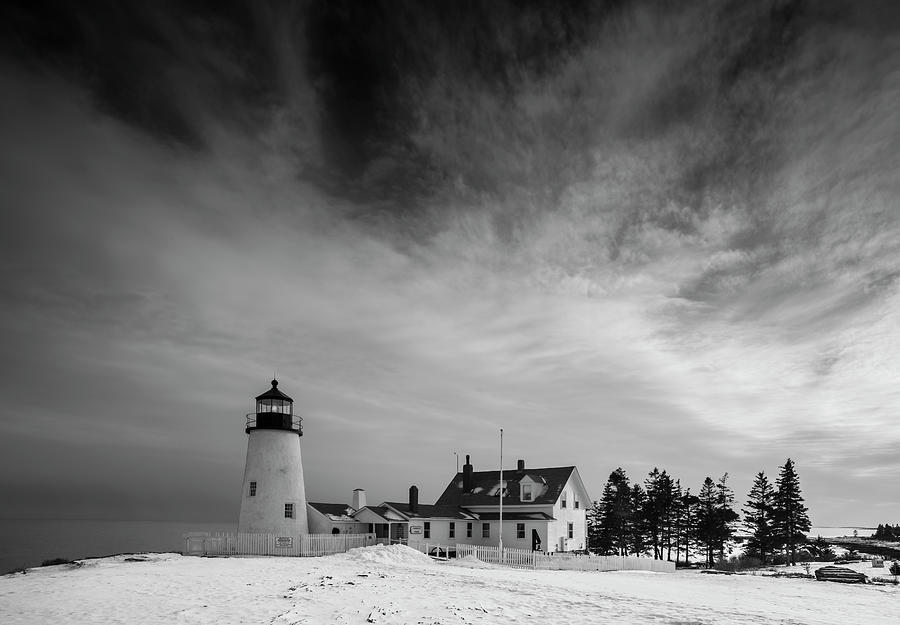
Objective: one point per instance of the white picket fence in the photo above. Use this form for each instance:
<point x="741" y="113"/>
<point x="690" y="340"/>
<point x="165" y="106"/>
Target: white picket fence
<point x="244" y="544"/>
<point x="565" y="562"/>
<point x="515" y="558"/>
<point x="525" y="559"/>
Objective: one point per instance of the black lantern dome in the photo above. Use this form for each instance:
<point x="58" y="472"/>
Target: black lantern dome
<point x="274" y="411"/>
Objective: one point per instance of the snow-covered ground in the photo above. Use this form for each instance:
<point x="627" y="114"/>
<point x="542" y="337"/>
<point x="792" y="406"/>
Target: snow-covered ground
<point x="398" y="585"/>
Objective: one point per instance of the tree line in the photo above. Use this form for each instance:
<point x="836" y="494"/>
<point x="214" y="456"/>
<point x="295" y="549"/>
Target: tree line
<point x="887" y="531"/>
<point x="660" y="517"/>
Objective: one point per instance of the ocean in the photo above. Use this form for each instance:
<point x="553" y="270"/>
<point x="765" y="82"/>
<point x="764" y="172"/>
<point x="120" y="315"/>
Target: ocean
<point x="27" y="543"/>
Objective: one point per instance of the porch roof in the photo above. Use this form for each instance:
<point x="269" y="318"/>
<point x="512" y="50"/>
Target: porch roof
<point x="378" y="514"/>
<point x="428" y="511"/>
<point x="335" y="511"/>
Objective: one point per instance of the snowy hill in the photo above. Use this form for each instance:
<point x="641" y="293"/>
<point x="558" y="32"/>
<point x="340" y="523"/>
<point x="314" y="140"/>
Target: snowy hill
<point x="394" y="585"/>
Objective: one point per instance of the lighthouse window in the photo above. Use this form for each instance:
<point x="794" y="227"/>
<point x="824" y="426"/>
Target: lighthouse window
<point x="289" y="511"/>
<point x="253" y="489"/>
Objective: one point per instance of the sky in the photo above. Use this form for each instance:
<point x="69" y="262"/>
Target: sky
<point x="638" y="234"/>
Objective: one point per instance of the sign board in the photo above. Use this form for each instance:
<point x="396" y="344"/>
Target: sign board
<point x="415" y="529"/>
<point x="284" y="541"/>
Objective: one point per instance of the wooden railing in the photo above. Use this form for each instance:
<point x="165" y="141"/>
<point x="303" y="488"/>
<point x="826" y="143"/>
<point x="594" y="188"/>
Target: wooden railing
<point x="245" y="544"/>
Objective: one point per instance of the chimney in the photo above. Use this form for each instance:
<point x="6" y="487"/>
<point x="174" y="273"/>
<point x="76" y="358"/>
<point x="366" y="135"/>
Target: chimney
<point x="467" y="476"/>
<point x="414" y="499"/>
<point x="359" y="499"/>
<point x="521" y="466"/>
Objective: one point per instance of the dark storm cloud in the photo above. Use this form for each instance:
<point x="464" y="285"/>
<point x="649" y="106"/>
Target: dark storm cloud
<point x="651" y="225"/>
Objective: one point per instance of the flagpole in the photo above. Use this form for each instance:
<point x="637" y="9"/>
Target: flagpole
<point x="501" y="494"/>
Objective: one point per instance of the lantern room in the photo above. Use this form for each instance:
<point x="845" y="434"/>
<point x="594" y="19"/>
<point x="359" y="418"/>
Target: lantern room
<point x="274" y="411"/>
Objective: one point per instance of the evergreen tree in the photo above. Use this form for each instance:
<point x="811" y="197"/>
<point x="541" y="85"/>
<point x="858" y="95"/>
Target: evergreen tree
<point x="707" y="522"/>
<point x="668" y="497"/>
<point x="726" y="517"/>
<point x="651" y="512"/>
<point x="658" y="512"/>
<point x="758" y="518"/>
<point x="677" y="520"/>
<point x="594" y="536"/>
<point x="791" y="521"/>
<point x="613" y="535"/>
<point x="636" y="525"/>
<point x="822" y="550"/>
<point x="689" y="505"/>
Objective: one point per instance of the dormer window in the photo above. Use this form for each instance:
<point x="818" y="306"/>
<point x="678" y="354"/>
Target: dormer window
<point x="526" y="492"/>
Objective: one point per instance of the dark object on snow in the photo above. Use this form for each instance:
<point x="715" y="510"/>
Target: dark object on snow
<point x="840" y="574"/>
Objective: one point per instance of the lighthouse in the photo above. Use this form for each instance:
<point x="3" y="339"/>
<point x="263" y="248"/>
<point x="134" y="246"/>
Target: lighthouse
<point x="274" y="497"/>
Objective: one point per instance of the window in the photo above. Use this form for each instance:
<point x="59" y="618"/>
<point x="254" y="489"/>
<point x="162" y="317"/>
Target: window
<point x="571" y="530"/>
<point x="468" y="530"/>
<point x="427" y="532"/>
<point x="485" y="530"/>
<point x="520" y="530"/>
<point x="253" y="489"/>
<point x="526" y="492"/>
<point x="452" y="533"/>
<point x="371" y="528"/>
<point x="289" y="511"/>
<point x="563" y="504"/>
<point x="576" y="504"/>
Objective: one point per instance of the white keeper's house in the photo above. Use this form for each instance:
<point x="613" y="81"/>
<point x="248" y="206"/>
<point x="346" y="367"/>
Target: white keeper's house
<point x="543" y="510"/>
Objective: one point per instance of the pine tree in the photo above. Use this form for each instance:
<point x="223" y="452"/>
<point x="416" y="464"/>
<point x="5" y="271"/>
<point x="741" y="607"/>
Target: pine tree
<point x="677" y="520"/>
<point x="707" y="522"/>
<point x="636" y="525"/>
<point x="594" y="536"/>
<point x="758" y="518"/>
<point x="651" y="512"/>
<point x="726" y="517"/>
<point x="613" y="535"/>
<point x="667" y="502"/>
<point x="790" y="517"/>
<point x="658" y="513"/>
<point x="689" y="504"/>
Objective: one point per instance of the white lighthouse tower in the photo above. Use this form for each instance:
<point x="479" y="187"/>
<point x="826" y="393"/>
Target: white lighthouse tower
<point x="274" y="497"/>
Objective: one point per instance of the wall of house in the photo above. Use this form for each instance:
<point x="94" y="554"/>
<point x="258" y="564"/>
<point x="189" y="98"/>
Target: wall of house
<point x="440" y="533"/>
<point x="559" y="530"/>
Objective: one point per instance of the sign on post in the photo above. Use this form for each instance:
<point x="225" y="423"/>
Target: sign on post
<point x="284" y="542"/>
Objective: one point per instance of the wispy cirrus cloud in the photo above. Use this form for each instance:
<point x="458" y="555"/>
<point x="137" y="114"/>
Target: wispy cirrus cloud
<point x="667" y="239"/>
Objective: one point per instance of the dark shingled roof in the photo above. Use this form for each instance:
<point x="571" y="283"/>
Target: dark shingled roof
<point x="436" y="511"/>
<point x="483" y="482"/>
<point x="335" y="509"/>
<point x="274" y="393"/>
